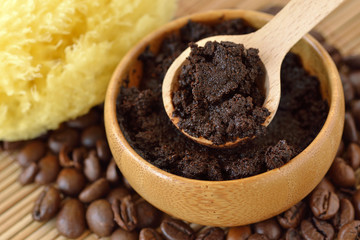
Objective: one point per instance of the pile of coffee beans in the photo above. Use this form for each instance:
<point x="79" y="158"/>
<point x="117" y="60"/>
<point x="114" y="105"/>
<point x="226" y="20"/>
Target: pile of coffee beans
<point x="85" y="190"/>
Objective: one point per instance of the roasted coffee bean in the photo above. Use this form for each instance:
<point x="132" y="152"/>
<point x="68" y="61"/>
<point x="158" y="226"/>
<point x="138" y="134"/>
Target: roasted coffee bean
<point x="103" y="150"/>
<point x="62" y="137"/>
<point x="92" y="167"/>
<point x="149" y="234"/>
<point x="353" y="62"/>
<point x="353" y="155"/>
<point x="292" y="234"/>
<point x="355" y="111"/>
<point x="113" y="174"/>
<point x="92" y="134"/>
<point x="71" y="181"/>
<point x="342" y="174"/>
<point x="356" y="203"/>
<point x="349" y="90"/>
<point x="317" y="229"/>
<point x="272" y="9"/>
<point x="292" y="217"/>
<point x="324" y="204"/>
<point x="258" y="236"/>
<point x="100" y="218"/>
<point x="147" y="215"/>
<point x="11" y="146"/>
<point x="64" y="157"/>
<point x="78" y="157"/>
<point x="345" y="214"/>
<point x="47" y="204"/>
<point x="341" y="148"/>
<point x="239" y="233"/>
<point x="354" y="78"/>
<point x="334" y="53"/>
<point x="49" y="168"/>
<point x="212" y="233"/>
<point x="269" y="227"/>
<point x="350" y="231"/>
<point x="121" y="234"/>
<point x="174" y="229"/>
<point x="84" y="121"/>
<point x="70" y="221"/>
<point x="125" y="213"/>
<point x="32" y="152"/>
<point x="326" y="184"/>
<point x="350" y="134"/>
<point x="95" y="191"/>
<point x="28" y="174"/>
<point x="117" y="193"/>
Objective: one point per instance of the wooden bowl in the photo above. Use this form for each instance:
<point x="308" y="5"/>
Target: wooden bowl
<point x="233" y="202"/>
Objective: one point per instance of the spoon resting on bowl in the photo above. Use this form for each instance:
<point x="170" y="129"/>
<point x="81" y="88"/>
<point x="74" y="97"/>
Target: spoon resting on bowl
<point x="273" y="41"/>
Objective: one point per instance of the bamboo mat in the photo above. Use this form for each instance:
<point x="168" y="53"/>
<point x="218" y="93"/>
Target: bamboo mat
<point x="341" y="29"/>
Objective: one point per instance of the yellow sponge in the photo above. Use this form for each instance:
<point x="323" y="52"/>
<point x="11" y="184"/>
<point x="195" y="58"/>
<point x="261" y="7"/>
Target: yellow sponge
<point x="57" y="56"/>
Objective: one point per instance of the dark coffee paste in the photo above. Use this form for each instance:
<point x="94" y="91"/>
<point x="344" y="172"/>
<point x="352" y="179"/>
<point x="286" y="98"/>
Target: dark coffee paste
<point x="146" y="126"/>
<point x="218" y="97"/>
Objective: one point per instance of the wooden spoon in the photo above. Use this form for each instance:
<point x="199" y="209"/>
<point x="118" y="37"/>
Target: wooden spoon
<point x="273" y="40"/>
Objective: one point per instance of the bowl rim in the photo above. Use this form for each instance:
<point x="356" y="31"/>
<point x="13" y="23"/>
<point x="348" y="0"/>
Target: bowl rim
<point x="113" y="127"/>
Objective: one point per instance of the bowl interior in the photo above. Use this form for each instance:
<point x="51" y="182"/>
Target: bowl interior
<point x="253" y="198"/>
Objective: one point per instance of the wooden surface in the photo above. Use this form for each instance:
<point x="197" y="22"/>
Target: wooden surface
<point x="341" y="29"/>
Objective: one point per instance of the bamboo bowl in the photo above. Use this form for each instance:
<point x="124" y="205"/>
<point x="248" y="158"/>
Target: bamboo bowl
<point x="233" y="202"/>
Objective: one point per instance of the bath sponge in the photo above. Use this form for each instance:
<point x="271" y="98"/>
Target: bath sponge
<point x="57" y="56"/>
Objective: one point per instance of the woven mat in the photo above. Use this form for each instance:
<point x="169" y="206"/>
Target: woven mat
<point x="341" y="29"/>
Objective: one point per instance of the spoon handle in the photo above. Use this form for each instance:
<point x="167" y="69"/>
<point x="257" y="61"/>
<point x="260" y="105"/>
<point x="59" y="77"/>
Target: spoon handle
<point x="296" y="19"/>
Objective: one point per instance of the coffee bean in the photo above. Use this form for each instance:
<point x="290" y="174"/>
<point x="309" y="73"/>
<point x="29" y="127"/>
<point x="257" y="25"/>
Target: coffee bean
<point x="92" y="134"/>
<point x="326" y="184"/>
<point x="28" y="174"/>
<point x="269" y="227"/>
<point x="64" y="157"/>
<point x="100" y="218"/>
<point x="47" y="204"/>
<point x="71" y="181"/>
<point x="212" y="233"/>
<point x="149" y="234"/>
<point x="174" y="229"/>
<point x="147" y="215"/>
<point x="324" y="204"/>
<point x="121" y="234"/>
<point x="62" y="137"/>
<point x="356" y="203"/>
<point x="334" y="53"/>
<point x="78" y="157"/>
<point x="95" y="191"/>
<point x="32" y="152"/>
<point x="11" y="146"/>
<point x="345" y="214"/>
<point x="349" y="90"/>
<point x="125" y="213"/>
<point x="350" y="231"/>
<point x="292" y="217"/>
<point x="84" y="121"/>
<point x="341" y="148"/>
<point x="272" y="9"/>
<point x="355" y="111"/>
<point x="316" y="229"/>
<point x="354" y="78"/>
<point x="341" y="173"/>
<point x="70" y="221"/>
<point x="292" y="234"/>
<point x="350" y="133"/>
<point x="239" y="233"/>
<point x="317" y="35"/>
<point x="113" y="174"/>
<point x="49" y="168"/>
<point x="353" y="62"/>
<point x="117" y="193"/>
<point x="353" y="155"/>
<point x="92" y="167"/>
<point x="258" y="236"/>
<point x="103" y="150"/>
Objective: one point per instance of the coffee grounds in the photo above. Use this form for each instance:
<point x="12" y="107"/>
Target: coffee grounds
<point x="218" y="97"/>
<point x="146" y="126"/>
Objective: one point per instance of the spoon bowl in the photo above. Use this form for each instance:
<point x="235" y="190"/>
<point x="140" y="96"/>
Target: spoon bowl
<point x="234" y="202"/>
<point x="273" y="42"/>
